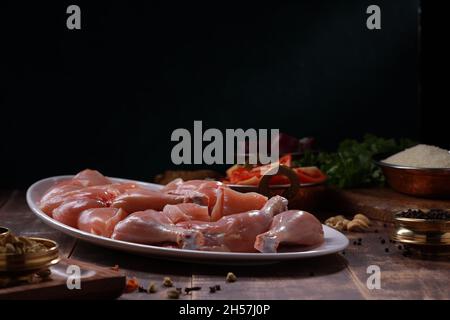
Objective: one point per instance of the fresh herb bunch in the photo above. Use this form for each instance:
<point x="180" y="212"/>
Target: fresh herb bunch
<point x="352" y="165"/>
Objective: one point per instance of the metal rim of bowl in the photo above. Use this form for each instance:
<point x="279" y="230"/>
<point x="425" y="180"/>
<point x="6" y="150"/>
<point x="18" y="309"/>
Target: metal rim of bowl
<point x="31" y="261"/>
<point x="419" y="228"/>
<point x="378" y="161"/>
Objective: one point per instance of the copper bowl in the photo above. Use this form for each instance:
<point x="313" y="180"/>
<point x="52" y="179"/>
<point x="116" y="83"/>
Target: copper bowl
<point x="419" y="182"/>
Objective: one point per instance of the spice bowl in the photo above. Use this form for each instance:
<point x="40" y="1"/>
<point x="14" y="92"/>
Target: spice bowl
<point x="26" y="263"/>
<point x="427" y="236"/>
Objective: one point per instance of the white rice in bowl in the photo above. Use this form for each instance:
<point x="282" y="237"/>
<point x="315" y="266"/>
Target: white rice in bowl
<point x="422" y="156"/>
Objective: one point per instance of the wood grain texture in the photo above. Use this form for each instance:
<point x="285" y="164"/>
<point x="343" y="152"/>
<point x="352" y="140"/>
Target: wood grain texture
<point x="378" y="203"/>
<point x="95" y="282"/>
<point x="401" y="277"/>
<point x="341" y="276"/>
<point x="146" y="270"/>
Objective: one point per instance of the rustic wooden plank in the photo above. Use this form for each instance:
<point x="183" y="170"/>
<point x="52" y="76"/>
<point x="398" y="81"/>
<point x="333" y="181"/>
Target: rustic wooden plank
<point x="401" y="277"/>
<point x="17" y="216"/>
<point x="95" y="283"/>
<point x="378" y="203"/>
<point x="145" y="269"/>
<point x="317" y="278"/>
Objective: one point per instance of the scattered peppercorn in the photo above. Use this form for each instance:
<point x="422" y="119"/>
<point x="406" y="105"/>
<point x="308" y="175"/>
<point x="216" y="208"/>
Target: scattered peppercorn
<point x="212" y="289"/>
<point x="383" y="241"/>
<point x="218" y="288"/>
<point x="386" y="250"/>
<point x="167" y="282"/>
<point x="385" y="225"/>
<point x="376" y="230"/>
<point x="141" y="289"/>
<point x="343" y="252"/>
<point x="188" y="290"/>
<point x="173" y="294"/>
<point x="400" y="247"/>
<point x="432" y="214"/>
<point x="231" y="277"/>
<point x="355" y="243"/>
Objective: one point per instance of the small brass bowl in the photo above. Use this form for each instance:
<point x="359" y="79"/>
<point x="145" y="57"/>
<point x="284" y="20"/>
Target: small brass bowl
<point x="30" y="262"/>
<point x="424" y="235"/>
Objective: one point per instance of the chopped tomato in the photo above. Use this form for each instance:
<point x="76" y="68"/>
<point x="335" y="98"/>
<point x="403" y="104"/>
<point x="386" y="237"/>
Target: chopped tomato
<point x="245" y="175"/>
<point x="131" y="286"/>
<point x="310" y="175"/>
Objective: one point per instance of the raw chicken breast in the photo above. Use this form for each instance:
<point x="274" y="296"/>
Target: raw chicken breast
<point x="291" y="227"/>
<point x="237" y="232"/>
<point x="57" y="194"/>
<point x="91" y="178"/>
<point x="70" y="190"/>
<point x="140" y="199"/>
<point x="100" y="221"/>
<point x="155" y="227"/>
<point x="186" y="212"/>
<point x="205" y="187"/>
<point x="231" y="202"/>
<point x="69" y="211"/>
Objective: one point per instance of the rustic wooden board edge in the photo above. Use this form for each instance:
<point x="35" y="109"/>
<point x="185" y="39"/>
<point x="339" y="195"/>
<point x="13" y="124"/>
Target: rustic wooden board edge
<point x="104" y="284"/>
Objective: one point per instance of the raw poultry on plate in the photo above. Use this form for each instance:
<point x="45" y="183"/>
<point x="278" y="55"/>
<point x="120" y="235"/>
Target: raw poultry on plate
<point x="195" y="215"/>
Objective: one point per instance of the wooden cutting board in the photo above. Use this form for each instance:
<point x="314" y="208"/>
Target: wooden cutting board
<point x="377" y="203"/>
<point x="96" y="283"/>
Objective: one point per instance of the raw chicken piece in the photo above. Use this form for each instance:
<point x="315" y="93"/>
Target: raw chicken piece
<point x="186" y="212"/>
<point x="100" y="221"/>
<point x="91" y="178"/>
<point x="141" y="199"/>
<point x="69" y="211"/>
<point x="291" y="227"/>
<point x="237" y="232"/>
<point x="155" y="227"/>
<point x="205" y="187"/>
<point x="231" y="202"/>
<point x="70" y="190"/>
<point x="57" y="194"/>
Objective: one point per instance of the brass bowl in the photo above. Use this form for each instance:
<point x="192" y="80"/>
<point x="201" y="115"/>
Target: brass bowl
<point x="419" y="182"/>
<point x="30" y="262"/>
<point x="424" y="235"/>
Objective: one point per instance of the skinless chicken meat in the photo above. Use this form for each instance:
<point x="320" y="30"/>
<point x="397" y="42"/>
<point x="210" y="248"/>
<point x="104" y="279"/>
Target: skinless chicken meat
<point x="291" y="227"/>
<point x="237" y="232"/>
<point x="155" y="227"/>
<point x="100" y="221"/>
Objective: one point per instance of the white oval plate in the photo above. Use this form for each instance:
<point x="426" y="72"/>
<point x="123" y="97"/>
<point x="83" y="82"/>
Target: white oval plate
<point x="334" y="240"/>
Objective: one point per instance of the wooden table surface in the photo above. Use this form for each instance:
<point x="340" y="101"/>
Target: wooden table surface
<point x="340" y="276"/>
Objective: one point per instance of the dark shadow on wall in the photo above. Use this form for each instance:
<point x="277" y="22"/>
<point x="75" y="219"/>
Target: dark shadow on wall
<point x="109" y="96"/>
